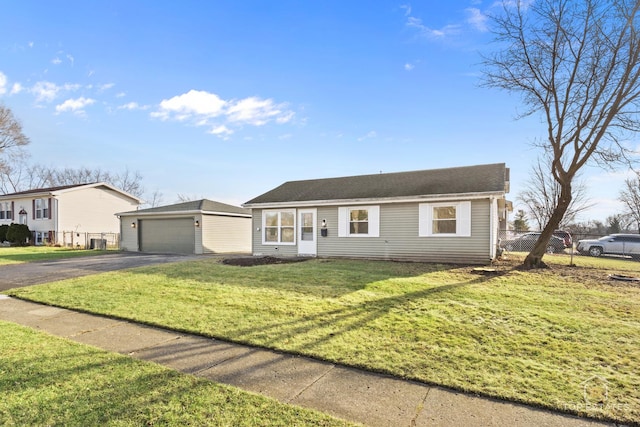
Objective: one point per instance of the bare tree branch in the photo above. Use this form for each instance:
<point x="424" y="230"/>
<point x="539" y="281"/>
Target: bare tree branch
<point x="577" y="63"/>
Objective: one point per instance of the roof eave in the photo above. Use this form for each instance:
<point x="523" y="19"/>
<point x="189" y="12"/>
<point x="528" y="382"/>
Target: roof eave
<point x="365" y="201"/>
<point x="182" y="213"/>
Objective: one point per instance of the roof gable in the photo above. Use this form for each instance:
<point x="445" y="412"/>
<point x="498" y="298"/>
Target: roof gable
<point x="54" y="191"/>
<point x="492" y="178"/>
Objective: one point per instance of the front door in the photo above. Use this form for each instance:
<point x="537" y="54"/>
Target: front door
<point x="307" y="243"/>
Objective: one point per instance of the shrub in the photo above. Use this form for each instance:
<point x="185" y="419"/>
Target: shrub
<point x="3" y="232"/>
<point x="18" y="234"/>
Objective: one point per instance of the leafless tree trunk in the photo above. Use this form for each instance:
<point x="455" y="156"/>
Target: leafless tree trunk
<point x="577" y="63"/>
<point x="541" y="193"/>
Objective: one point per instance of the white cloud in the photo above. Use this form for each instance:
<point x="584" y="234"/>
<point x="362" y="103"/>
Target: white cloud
<point x="106" y="86"/>
<point x="121" y="94"/>
<point x="201" y="108"/>
<point x="369" y="135"/>
<point x="221" y="131"/>
<point x="45" y="91"/>
<point x="192" y="103"/>
<point x="257" y="112"/>
<point x="75" y="105"/>
<point x="3" y="83"/>
<point x="16" y="88"/>
<point x="477" y="19"/>
<point x="56" y="61"/>
<point x="407" y="9"/>
<point x="133" y="106"/>
<point x="408" y="66"/>
<point x="432" y="33"/>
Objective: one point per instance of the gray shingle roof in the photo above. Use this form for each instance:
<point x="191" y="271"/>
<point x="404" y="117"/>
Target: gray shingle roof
<point x="203" y="205"/>
<point x="459" y="180"/>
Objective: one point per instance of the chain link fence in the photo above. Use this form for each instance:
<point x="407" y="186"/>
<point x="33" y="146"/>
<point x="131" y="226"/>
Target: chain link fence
<point x="84" y="240"/>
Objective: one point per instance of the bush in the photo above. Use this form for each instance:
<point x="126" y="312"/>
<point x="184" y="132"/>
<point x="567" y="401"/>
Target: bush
<point x="18" y="234"/>
<point x="3" y="232"/>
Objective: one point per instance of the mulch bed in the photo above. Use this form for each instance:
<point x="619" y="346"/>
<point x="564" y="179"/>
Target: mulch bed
<point x="265" y="260"/>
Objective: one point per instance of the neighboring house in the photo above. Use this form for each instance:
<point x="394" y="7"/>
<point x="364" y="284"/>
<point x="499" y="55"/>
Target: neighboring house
<point x="441" y="215"/>
<point x="195" y="227"/>
<point x="65" y="214"/>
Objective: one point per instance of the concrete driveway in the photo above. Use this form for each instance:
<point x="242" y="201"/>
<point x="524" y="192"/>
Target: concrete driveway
<point x="33" y="273"/>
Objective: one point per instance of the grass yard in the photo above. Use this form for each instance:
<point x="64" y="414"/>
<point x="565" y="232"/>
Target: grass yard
<point x="20" y="254"/>
<point x="565" y="338"/>
<point x="52" y="381"/>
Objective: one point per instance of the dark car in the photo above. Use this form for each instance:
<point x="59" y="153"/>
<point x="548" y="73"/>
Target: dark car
<point x="525" y="242"/>
<point x="565" y="236"/>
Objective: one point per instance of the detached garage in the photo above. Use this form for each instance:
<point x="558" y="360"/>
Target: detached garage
<point x="196" y="227"/>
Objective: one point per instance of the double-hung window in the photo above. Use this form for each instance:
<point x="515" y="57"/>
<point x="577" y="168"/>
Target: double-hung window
<point x="279" y="226"/>
<point x="445" y="219"/>
<point x="42" y="208"/>
<point x="359" y="221"/>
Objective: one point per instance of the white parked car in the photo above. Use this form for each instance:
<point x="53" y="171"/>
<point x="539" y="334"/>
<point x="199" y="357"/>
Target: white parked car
<point x="614" y="244"/>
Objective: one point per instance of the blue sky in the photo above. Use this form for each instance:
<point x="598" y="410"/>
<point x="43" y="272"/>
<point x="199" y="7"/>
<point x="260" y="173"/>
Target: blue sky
<point x="228" y="99"/>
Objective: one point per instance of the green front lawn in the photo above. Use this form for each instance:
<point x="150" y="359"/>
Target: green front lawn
<point x="47" y="381"/>
<point x="20" y="254"/>
<point x="556" y="338"/>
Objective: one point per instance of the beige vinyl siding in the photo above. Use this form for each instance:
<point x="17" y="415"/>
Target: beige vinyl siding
<point x="399" y="237"/>
<point x="92" y="210"/>
<point x="129" y="235"/>
<point x="225" y="234"/>
<point x="272" y="250"/>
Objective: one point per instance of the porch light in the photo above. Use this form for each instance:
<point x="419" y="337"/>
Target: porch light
<point x="197" y="223"/>
<point x="133" y="224"/>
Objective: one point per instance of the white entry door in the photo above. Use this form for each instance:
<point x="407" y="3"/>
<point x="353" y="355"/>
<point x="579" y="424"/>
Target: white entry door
<point x="307" y="240"/>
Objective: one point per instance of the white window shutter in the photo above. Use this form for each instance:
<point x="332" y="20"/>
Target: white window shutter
<point x="343" y="221"/>
<point x="424" y="219"/>
<point x="374" y="221"/>
<point x="464" y="219"/>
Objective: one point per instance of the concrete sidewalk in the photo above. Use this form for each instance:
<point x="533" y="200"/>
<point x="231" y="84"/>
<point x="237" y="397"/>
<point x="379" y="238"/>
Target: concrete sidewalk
<point x="350" y="394"/>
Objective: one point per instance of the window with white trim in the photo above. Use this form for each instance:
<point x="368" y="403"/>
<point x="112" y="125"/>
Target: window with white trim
<point x="42" y="208"/>
<point x="279" y="227"/>
<point x="444" y="219"/>
<point x="359" y="221"/>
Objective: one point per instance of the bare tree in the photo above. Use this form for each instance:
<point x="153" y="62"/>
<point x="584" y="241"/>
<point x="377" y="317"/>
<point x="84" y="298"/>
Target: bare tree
<point x="19" y="176"/>
<point x="577" y="63"/>
<point x="541" y="193"/>
<point x="11" y="135"/>
<point x="630" y="196"/>
<point x="155" y="199"/>
<point x="12" y="141"/>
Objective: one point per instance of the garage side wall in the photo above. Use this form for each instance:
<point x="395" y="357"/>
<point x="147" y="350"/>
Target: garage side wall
<point x="226" y="234"/>
<point x="128" y="235"/>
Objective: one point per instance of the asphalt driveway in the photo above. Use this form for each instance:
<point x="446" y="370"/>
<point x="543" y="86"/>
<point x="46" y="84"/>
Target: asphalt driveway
<point x="33" y="273"/>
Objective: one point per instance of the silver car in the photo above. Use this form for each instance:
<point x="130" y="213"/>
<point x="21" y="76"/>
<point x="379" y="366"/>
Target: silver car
<point x="615" y="244"/>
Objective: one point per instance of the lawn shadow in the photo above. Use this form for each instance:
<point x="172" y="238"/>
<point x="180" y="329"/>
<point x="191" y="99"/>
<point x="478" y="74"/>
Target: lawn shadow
<point x="322" y="278"/>
<point x="328" y="325"/>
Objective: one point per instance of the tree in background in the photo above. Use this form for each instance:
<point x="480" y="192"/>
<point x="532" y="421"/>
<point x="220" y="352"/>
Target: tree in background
<point x="540" y="196"/>
<point x="12" y="139"/>
<point x="614" y="224"/>
<point x="577" y="64"/>
<point x="19" y="176"/>
<point x="630" y="197"/>
<point x="520" y="221"/>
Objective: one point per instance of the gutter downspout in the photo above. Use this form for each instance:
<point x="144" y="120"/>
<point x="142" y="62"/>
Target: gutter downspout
<point x="492" y="233"/>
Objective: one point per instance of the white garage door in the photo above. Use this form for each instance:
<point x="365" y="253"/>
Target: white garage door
<point x="176" y="235"/>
